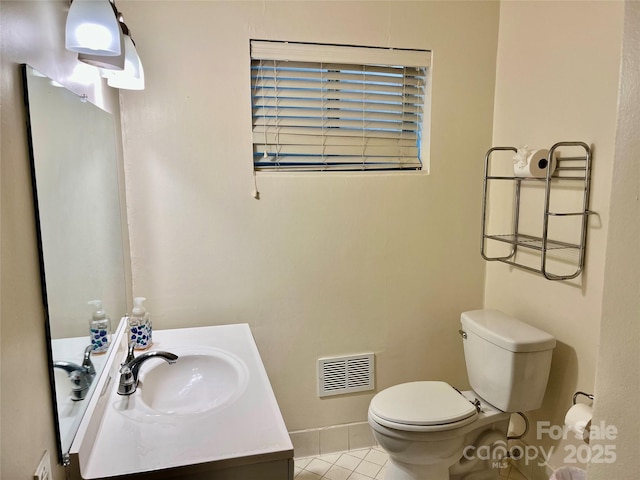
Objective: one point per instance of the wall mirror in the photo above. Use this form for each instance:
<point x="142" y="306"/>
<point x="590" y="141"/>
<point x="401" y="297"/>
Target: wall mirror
<point x="77" y="193"/>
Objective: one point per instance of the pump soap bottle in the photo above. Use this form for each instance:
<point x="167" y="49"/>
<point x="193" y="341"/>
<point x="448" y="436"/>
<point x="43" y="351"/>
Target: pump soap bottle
<point x="99" y="328"/>
<point x="140" y="325"/>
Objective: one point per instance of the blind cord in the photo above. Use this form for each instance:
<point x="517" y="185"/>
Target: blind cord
<point x="256" y="192"/>
<point x="260" y="78"/>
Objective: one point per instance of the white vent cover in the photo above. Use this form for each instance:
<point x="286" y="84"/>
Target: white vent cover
<point x="338" y="375"/>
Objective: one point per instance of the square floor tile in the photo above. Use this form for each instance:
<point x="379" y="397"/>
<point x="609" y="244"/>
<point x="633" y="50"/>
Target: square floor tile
<point x="369" y="469"/>
<point x="306" y="475"/>
<point x="348" y="461"/>
<point x="337" y="473"/>
<point x="330" y="457"/>
<point x="376" y="456"/>
<point x="358" y="476"/>
<point x="381" y="473"/>
<point x="302" y="462"/>
<point x="318" y="466"/>
<point x="359" y="453"/>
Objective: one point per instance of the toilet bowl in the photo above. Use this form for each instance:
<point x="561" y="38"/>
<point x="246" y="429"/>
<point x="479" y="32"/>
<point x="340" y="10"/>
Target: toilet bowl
<point x="427" y="427"/>
<point x="432" y="431"/>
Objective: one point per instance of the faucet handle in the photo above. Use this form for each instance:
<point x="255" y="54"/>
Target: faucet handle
<point x="130" y="356"/>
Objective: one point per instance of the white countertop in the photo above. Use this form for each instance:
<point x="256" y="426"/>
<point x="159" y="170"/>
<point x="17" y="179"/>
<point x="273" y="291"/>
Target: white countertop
<point x="248" y="430"/>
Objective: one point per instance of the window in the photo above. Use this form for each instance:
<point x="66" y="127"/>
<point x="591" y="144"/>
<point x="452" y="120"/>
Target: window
<point x="327" y="107"/>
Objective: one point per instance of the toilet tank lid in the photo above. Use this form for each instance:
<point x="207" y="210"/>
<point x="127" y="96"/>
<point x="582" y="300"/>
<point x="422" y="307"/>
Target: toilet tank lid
<point x="506" y="331"/>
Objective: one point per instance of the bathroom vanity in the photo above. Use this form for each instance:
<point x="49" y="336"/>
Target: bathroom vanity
<point x="212" y="417"/>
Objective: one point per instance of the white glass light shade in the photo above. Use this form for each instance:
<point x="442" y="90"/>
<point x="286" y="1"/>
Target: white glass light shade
<point x="132" y="77"/>
<point x="115" y="62"/>
<point x="92" y="28"/>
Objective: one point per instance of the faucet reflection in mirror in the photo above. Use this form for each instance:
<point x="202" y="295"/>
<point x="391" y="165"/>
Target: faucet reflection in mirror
<point x="81" y="376"/>
<point x="97" y="32"/>
<point x="83" y="253"/>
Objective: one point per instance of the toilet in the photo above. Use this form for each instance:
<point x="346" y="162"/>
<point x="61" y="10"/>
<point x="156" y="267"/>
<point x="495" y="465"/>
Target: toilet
<point x="432" y="431"/>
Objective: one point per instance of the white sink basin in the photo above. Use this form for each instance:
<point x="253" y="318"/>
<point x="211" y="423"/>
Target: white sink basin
<point x="202" y="380"/>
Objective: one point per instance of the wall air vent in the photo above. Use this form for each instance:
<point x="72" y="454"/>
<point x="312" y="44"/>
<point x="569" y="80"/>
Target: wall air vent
<point x="339" y="375"/>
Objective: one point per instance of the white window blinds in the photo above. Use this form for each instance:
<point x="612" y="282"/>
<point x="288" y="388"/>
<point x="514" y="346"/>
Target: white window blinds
<point x="327" y="107"/>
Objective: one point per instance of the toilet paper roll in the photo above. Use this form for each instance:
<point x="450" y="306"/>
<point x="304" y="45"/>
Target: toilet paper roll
<point x="578" y="419"/>
<point x="535" y="165"/>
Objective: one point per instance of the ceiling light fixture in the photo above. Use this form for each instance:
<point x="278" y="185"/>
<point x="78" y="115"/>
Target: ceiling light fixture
<point x="93" y="29"/>
<point x="132" y="77"/>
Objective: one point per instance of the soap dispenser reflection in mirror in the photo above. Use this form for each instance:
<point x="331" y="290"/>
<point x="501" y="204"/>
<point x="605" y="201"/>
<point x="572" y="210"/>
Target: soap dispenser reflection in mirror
<point x="99" y="328"/>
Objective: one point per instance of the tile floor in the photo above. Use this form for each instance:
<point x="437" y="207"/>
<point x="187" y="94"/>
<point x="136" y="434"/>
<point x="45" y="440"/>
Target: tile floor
<point x="364" y="464"/>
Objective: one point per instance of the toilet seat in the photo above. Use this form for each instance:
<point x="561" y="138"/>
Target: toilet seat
<point x="422" y="407"/>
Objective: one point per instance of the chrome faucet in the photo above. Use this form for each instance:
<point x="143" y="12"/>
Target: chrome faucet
<point x="81" y="376"/>
<point x="130" y="368"/>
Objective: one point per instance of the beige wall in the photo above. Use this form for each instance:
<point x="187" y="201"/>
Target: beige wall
<point x="322" y="264"/>
<point x="33" y="33"/>
<point x="617" y="380"/>
<point x="326" y="265"/>
<point x="557" y="80"/>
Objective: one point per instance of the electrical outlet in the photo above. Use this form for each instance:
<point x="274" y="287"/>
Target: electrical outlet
<point x="43" y="472"/>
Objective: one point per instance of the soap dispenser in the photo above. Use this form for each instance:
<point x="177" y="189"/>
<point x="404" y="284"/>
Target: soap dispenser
<point x="140" y="325"/>
<point x="99" y="328"/>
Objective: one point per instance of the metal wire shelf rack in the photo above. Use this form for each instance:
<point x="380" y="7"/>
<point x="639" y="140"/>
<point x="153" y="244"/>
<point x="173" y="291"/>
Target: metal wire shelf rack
<point x="574" y="170"/>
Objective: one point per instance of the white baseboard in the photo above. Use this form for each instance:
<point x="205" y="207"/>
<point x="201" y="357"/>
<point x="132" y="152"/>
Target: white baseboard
<point x="331" y="439"/>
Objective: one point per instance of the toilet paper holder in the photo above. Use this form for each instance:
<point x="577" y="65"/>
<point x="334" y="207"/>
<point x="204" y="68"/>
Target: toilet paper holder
<point x="588" y="395"/>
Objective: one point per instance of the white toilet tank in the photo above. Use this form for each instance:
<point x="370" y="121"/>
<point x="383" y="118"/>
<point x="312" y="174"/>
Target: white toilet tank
<point x="507" y="360"/>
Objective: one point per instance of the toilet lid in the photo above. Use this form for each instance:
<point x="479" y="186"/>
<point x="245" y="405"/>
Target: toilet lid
<point x="423" y="403"/>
